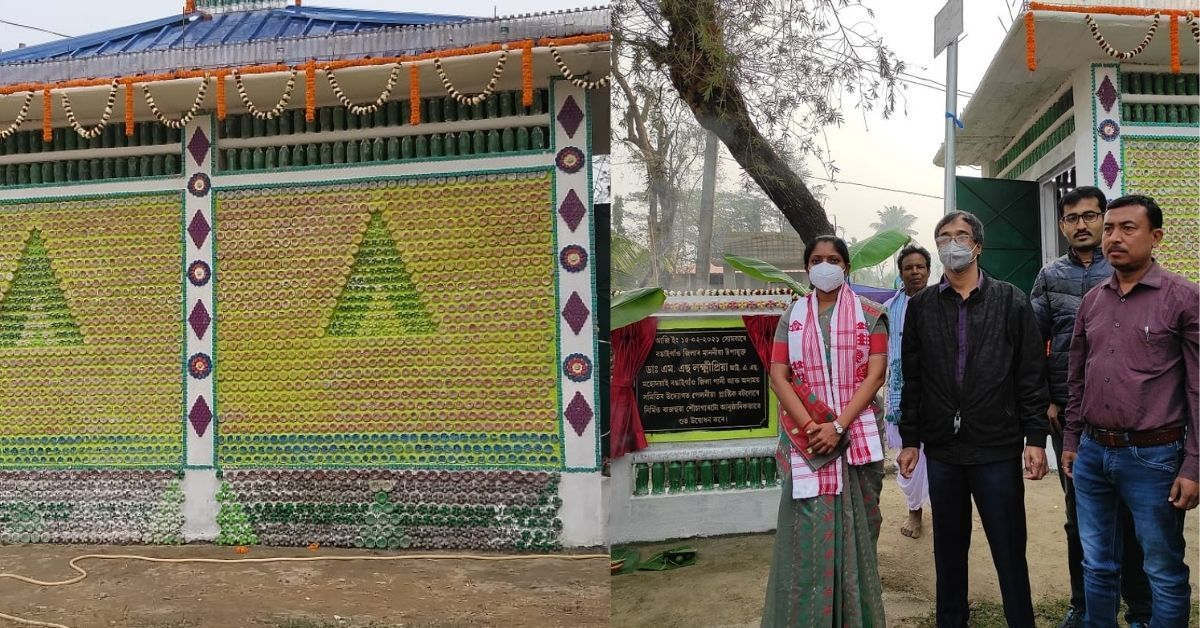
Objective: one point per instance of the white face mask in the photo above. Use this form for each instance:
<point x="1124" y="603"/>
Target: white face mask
<point x="827" y="277"/>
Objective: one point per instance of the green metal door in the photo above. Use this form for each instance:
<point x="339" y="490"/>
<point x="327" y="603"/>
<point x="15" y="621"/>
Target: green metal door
<point x="1009" y="211"/>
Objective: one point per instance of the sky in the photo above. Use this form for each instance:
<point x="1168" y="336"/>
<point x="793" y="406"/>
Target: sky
<point x="80" y="17"/>
<point x="897" y="152"/>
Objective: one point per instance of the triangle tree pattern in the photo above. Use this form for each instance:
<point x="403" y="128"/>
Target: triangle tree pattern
<point x="379" y="298"/>
<point x="34" y="311"/>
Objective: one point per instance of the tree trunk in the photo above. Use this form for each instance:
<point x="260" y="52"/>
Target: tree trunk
<point x="653" y="237"/>
<point x="707" y="189"/>
<point x="695" y="59"/>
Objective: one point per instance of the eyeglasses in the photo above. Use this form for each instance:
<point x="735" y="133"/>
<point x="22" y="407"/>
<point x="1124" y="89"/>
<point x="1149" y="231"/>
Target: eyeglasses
<point x="1087" y="217"/>
<point x="962" y="238"/>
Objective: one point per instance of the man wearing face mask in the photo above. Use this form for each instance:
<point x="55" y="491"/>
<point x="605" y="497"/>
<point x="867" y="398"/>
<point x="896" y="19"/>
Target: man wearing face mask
<point x="975" y="396"/>
<point x="1056" y="295"/>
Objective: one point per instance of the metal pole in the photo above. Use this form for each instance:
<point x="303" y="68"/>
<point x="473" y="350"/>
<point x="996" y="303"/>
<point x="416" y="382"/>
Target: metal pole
<point x="952" y="111"/>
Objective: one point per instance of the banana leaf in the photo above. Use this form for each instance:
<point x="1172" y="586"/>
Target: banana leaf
<point x="762" y="271"/>
<point x="631" y="307"/>
<point x="877" y="248"/>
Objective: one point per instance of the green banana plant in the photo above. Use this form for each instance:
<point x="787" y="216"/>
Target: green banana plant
<point x="877" y="248"/>
<point x="762" y="271"/>
<point x="631" y="307"/>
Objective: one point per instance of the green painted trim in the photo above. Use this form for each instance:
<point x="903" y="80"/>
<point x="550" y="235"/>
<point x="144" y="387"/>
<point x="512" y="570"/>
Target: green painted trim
<point x="716" y="322"/>
<point x="1177" y="125"/>
<point x="385" y="162"/>
<point x="591" y="214"/>
<point x="84" y="197"/>
<point x="214" y="461"/>
<point x="1169" y="138"/>
<point x="558" y="330"/>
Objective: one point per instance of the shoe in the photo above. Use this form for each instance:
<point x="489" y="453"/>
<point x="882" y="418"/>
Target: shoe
<point x="1073" y="619"/>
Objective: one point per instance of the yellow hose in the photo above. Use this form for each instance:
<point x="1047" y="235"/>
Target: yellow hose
<point x="149" y="559"/>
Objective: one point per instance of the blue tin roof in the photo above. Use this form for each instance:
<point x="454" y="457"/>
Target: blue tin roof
<point x="196" y="29"/>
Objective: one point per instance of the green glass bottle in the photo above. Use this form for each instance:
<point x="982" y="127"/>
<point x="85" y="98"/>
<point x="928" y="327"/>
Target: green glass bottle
<point x="269" y="160"/>
<point x="298" y="155"/>
<point x="23" y="174"/>
<point x="492" y="106"/>
<point x="353" y="121"/>
<point x="537" y="138"/>
<point x="422" y="146"/>
<point x="1126" y="112"/>
<point x="506" y="103"/>
<point x="284" y="158"/>
<point x="406" y="147"/>
<point x="97" y="167"/>
<point x="707" y="477"/>
<point x="339" y="119"/>
<point x="1158" y="87"/>
<point x="160" y="134"/>
<point x="449" y="110"/>
<point x="1160" y="113"/>
<point x="1195" y="114"/>
<point x="313" y="153"/>
<point x="435" y="110"/>
<point x="351" y="151"/>
<point x="464" y="110"/>
<point x="147" y="133"/>
<point x="675" y="477"/>
<point x="339" y="149"/>
<point x="85" y="170"/>
<point x="393" y="148"/>
<point x="754" y="473"/>
<point x="230" y="127"/>
<point x="740" y="469"/>
<point x="658" y="478"/>
<point x="464" y="143"/>
<point x="60" y="170"/>
<point x="478" y="142"/>
<point x="1173" y="114"/>
<point x="284" y="124"/>
<point x="436" y="148"/>
<point x="380" y="117"/>
<point x="393" y="113"/>
<point x="493" y="141"/>
<point x="770" y="471"/>
<point x="508" y="142"/>
<point x="477" y="111"/>
<point x="379" y="148"/>
<point x="449" y="144"/>
<point x="365" y="151"/>
<point x="725" y="473"/>
<point x="120" y="167"/>
<point x="405" y="112"/>
<point x="522" y="139"/>
<point x="246" y="126"/>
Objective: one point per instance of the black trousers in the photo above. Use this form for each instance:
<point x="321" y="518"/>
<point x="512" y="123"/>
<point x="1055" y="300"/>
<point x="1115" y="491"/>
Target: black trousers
<point x="1135" y="587"/>
<point x="999" y="492"/>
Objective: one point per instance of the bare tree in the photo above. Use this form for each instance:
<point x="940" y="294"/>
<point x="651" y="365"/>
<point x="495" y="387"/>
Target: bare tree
<point x="766" y="76"/>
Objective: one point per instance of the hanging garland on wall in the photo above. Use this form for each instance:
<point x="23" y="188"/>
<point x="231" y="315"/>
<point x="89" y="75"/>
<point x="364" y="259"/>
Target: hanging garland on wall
<point x="1113" y="52"/>
<point x="1194" y="24"/>
<point x="95" y="131"/>
<point x="20" y="119"/>
<point x="364" y="109"/>
<point x="497" y="72"/>
<point x="570" y="76"/>
<point x="187" y="116"/>
<point x="273" y="112"/>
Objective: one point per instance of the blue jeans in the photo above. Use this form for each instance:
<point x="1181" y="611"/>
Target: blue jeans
<point x="1141" y="477"/>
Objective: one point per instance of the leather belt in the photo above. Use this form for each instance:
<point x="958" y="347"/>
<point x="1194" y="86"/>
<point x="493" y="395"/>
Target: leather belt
<point x="1146" y="438"/>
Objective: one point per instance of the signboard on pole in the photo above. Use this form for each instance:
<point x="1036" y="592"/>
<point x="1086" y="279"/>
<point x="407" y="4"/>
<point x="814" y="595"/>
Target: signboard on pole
<point x="947" y="26"/>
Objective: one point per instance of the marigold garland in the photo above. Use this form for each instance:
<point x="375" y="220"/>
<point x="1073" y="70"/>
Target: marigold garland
<point x="1103" y="9"/>
<point x="47" y="126"/>
<point x="497" y="72"/>
<point x="527" y="74"/>
<point x="414" y="94"/>
<point x="128" y="108"/>
<point x="310" y="90"/>
<point x="1119" y="54"/>
<point x="187" y="116"/>
<point x="222" y="104"/>
<point x="265" y="114"/>
<point x="1030" y="43"/>
<point x="20" y="119"/>
<point x="1174" y="31"/>
<point x="96" y="130"/>
<point x="364" y="109"/>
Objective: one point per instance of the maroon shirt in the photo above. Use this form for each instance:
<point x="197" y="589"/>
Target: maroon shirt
<point x="1133" y="360"/>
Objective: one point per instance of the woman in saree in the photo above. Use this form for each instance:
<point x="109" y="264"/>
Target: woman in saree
<point x="828" y="361"/>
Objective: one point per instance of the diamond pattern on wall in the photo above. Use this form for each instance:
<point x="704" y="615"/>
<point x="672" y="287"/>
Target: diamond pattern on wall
<point x="575" y="312"/>
<point x="198" y="146"/>
<point x="579" y="414"/>
<point x="570" y="116"/>
<point x="200" y="416"/>
<point x="199" y="229"/>
<point x="1107" y="94"/>
<point x="572" y="209"/>
<point x="199" y="319"/>
<point x="1109" y="169"/>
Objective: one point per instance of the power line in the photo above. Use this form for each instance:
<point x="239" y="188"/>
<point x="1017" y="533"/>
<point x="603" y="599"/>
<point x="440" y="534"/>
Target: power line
<point x="913" y="79"/>
<point x="34" y="28"/>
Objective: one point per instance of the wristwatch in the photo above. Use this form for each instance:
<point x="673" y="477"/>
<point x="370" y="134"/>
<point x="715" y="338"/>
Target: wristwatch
<point x="837" y="427"/>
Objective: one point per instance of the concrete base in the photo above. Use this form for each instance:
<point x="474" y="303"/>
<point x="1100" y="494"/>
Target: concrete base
<point x="200" y="504"/>
<point x="680" y="515"/>
<point x="582" y="511"/>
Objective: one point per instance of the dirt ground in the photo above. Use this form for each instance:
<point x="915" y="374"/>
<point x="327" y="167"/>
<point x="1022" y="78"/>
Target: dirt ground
<point x="726" y="586"/>
<point x="350" y="594"/>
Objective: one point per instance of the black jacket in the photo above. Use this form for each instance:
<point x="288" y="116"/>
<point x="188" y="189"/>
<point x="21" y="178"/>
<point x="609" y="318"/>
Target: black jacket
<point x="1003" y="394"/>
<point x="1056" y="296"/>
